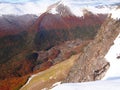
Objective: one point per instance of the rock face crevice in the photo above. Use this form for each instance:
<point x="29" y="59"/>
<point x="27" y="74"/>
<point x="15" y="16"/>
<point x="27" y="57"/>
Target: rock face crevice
<point x="92" y="65"/>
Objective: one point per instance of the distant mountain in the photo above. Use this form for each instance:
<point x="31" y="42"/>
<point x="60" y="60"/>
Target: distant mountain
<point x="13" y="24"/>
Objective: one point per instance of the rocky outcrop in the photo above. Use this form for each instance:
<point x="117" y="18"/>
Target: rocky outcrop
<point x="92" y="65"/>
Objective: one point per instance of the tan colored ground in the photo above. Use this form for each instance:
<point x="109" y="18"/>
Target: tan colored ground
<point x="50" y="76"/>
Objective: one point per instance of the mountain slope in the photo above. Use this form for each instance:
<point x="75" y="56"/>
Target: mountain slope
<point x="89" y="66"/>
<point x="13" y="24"/>
<point x="92" y="66"/>
<point x="112" y="77"/>
<point x="25" y="38"/>
<point x="62" y="26"/>
<point x="13" y="34"/>
<point x="49" y="40"/>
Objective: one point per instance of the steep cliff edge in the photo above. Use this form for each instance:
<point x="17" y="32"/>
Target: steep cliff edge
<point x="92" y="65"/>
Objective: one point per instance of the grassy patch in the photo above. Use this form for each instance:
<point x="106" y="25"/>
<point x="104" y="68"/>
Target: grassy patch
<point x="50" y="76"/>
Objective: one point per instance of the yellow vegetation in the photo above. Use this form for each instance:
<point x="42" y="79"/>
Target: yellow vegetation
<point x="50" y="76"/>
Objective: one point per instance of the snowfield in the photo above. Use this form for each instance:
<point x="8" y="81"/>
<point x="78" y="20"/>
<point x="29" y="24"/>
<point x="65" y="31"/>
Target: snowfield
<point x="115" y="14"/>
<point x="113" y="57"/>
<point x="113" y="84"/>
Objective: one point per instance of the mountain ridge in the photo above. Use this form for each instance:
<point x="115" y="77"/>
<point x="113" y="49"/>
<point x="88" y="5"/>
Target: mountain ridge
<point x="104" y="37"/>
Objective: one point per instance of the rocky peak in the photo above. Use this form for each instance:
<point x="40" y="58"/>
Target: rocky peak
<point x="59" y="8"/>
<point x="64" y="10"/>
<point x="86" y="12"/>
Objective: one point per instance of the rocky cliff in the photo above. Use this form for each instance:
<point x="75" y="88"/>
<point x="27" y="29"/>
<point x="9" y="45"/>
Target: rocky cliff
<point x="92" y="65"/>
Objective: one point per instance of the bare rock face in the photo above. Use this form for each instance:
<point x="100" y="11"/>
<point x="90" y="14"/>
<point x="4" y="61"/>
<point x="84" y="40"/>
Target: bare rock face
<point x="92" y="64"/>
<point x="64" y="10"/>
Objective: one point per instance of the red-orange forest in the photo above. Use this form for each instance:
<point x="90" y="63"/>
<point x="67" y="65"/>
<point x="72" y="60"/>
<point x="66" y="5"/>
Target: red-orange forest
<point x="41" y="42"/>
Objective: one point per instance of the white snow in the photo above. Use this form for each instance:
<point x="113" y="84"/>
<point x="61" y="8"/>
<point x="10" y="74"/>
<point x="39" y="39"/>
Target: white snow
<point x="96" y="7"/>
<point x="97" y="85"/>
<point x="56" y="84"/>
<point x="23" y="8"/>
<point x="94" y="10"/>
<point x="53" y="11"/>
<point x="40" y="6"/>
<point x="115" y="14"/>
<point x="111" y="56"/>
<point x="29" y="80"/>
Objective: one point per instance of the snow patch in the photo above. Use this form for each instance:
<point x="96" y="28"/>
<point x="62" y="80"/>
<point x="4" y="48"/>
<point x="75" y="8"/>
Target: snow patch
<point x="31" y="77"/>
<point x="56" y="84"/>
<point x="65" y="2"/>
<point x="115" y="14"/>
<point x="44" y="89"/>
<point x="96" y="85"/>
<point x="112" y="58"/>
<point x="29" y="80"/>
<point x="53" y="11"/>
<point x="79" y="11"/>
